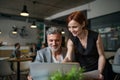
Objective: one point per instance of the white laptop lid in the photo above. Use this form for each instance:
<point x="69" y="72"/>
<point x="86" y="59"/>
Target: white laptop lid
<point x="41" y="71"/>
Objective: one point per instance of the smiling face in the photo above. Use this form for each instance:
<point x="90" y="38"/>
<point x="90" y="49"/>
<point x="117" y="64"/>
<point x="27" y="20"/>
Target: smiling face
<point x="54" y="41"/>
<point x="75" y="28"/>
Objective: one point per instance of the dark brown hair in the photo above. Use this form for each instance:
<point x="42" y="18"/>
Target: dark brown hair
<point x="77" y="16"/>
<point x="16" y="44"/>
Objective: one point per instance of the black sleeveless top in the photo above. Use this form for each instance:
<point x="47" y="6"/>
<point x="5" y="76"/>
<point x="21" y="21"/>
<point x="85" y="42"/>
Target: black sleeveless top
<point x="87" y="57"/>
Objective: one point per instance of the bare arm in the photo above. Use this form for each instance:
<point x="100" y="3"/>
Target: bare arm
<point x="69" y="51"/>
<point x="101" y="60"/>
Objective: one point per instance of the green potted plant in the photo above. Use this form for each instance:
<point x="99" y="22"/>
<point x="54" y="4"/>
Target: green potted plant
<point x="73" y="74"/>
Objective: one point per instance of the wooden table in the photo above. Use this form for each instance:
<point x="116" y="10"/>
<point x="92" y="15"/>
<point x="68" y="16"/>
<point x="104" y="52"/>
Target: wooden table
<point x="18" y="60"/>
<point x="4" y="58"/>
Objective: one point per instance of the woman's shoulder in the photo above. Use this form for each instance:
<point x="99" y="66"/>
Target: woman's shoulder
<point x="93" y="34"/>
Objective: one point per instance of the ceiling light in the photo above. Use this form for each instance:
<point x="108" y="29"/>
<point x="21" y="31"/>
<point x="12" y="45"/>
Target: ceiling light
<point x="33" y="25"/>
<point x="63" y="32"/>
<point x="14" y="30"/>
<point x="24" y="11"/>
<point x="0" y="32"/>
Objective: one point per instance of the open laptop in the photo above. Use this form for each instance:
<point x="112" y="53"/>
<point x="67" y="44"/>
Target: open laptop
<point x="41" y="71"/>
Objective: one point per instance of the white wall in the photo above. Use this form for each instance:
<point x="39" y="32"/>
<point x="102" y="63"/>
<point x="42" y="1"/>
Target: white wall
<point x="103" y="7"/>
<point x="6" y="25"/>
<point x="95" y="9"/>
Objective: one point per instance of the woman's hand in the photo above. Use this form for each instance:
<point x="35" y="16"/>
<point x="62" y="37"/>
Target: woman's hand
<point x="66" y="60"/>
<point x="100" y="77"/>
<point x="29" y="77"/>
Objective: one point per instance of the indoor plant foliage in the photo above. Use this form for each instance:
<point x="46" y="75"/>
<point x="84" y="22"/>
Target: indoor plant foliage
<point x="73" y="74"/>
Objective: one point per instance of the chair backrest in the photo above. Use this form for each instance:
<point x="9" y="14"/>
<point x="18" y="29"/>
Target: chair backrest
<point x="117" y="57"/>
<point x="116" y="62"/>
<point x="5" y="68"/>
<point x="24" y="66"/>
<point x="116" y="68"/>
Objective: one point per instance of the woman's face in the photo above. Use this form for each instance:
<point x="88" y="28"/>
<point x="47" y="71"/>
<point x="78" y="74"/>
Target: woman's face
<point x="75" y="28"/>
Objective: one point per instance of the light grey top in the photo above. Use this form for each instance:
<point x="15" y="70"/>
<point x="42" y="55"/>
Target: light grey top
<point x="117" y="57"/>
